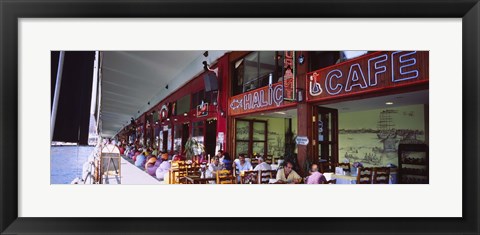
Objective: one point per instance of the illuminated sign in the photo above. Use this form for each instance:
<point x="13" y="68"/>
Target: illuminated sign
<point x="164" y="111"/>
<point x="380" y="70"/>
<point x="289" y="79"/>
<point x="202" y="109"/>
<point x="264" y="98"/>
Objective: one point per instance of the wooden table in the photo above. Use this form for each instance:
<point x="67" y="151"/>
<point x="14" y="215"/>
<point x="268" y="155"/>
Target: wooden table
<point x="349" y="179"/>
<point x="198" y="180"/>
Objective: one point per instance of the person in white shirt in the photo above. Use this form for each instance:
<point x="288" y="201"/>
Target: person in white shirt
<point x="214" y="167"/>
<point x="262" y="166"/>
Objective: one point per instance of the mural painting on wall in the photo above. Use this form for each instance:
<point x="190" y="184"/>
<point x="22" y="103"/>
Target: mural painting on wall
<point x="276" y="144"/>
<point x="372" y="137"/>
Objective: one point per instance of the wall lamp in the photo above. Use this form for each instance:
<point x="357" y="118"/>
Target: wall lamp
<point x="301" y="59"/>
<point x="205" y="65"/>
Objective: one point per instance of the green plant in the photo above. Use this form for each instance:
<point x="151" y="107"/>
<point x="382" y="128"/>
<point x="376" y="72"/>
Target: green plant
<point x="193" y="148"/>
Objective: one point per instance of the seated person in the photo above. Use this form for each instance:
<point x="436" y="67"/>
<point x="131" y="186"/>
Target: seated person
<point x="226" y="161"/>
<point x="138" y="152"/>
<point x="315" y="177"/>
<point x="220" y="155"/>
<point x="178" y="157"/>
<point x="155" y="152"/>
<point x="241" y="165"/>
<point x="150" y="165"/>
<point x="214" y="167"/>
<point x="288" y="175"/>
<point x="163" y="169"/>
<point x="262" y="166"/>
<point x="140" y="159"/>
<point x="121" y="149"/>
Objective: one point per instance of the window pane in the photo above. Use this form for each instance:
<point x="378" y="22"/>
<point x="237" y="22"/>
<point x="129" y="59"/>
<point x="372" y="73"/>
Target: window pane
<point x="259" y="131"/>
<point x="251" y="67"/>
<point x="178" y="131"/>
<point x="241" y="148"/>
<point x="177" y="143"/>
<point x="258" y="147"/>
<point x="242" y="130"/>
<point x="183" y="105"/>
<point x="266" y="67"/>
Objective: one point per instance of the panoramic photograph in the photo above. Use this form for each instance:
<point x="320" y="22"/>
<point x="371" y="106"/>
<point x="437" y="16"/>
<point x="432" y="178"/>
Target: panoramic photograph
<point x="239" y="117"/>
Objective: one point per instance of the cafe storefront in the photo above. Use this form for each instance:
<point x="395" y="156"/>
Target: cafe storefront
<point x="262" y="108"/>
<point x="337" y="109"/>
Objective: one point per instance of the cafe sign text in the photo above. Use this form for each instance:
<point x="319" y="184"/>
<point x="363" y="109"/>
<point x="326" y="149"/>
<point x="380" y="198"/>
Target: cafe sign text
<point x="380" y="70"/>
<point x="264" y="98"/>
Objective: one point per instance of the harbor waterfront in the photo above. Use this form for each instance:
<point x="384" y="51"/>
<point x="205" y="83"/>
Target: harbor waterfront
<point x="66" y="162"/>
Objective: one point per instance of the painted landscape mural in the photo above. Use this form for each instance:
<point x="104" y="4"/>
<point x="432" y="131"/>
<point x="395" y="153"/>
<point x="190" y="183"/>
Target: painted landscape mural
<point x="372" y="137"/>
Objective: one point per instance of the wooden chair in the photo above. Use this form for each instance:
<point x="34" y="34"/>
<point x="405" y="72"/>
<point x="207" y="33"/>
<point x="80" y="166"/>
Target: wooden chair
<point x="381" y="175"/>
<point x="266" y="175"/>
<point x="345" y="166"/>
<point x="225" y="177"/>
<point x="177" y="170"/>
<point x="326" y="167"/>
<point x="332" y="181"/>
<point x="247" y="177"/>
<point x="364" y="175"/>
<point x="193" y="169"/>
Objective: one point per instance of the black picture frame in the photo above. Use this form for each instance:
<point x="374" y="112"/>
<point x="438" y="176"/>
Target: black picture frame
<point x="11" y="11"/>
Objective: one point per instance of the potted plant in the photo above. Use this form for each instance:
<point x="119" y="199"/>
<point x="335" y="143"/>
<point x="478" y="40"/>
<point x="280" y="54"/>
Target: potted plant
<point x="193" y="148"/>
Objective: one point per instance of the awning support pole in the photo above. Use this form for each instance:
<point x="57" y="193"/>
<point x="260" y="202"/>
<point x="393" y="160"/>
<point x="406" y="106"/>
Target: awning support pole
<point x="56" y="95"/>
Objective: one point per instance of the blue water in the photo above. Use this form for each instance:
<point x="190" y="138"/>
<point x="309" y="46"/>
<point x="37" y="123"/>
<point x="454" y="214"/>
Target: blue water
<point x="66" y="162"/>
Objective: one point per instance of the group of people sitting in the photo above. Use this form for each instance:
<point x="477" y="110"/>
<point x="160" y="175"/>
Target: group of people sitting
<point x="155" y="163"/>
<point x="158" y="165"/>
<point x="286" y="174"/>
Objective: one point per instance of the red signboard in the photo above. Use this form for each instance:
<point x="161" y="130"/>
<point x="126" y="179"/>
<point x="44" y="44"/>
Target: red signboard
<point x="202" y="109"/>
<point x="289" y="76"/>
<point x="379" y="70"/>
<point x="265" y="98"/>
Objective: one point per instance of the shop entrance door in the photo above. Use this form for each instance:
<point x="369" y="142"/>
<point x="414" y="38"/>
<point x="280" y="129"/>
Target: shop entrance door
<point x="165" y="141"/>
<point x="211" y="137"/>
<point x="326" y="132"/>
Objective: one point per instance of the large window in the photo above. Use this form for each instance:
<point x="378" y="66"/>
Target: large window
<point x="198" y="131"/>
<point x="207" y="97"/>
<point x="250" y="137"/>
<point x="197" y="98"/>
<point x="177" y="138"/>
<point x="183" y="105"/>
<point x="254" y="70"/>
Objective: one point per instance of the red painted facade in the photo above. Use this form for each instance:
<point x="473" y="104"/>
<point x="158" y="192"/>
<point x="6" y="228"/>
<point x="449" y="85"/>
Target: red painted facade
<point x="171" y="118"/>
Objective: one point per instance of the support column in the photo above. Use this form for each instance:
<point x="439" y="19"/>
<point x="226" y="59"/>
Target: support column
<point x="304" y="117"/>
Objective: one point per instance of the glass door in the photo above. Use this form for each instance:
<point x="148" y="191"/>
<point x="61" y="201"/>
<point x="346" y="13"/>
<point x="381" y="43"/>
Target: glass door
<point x="326" y="132"/>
